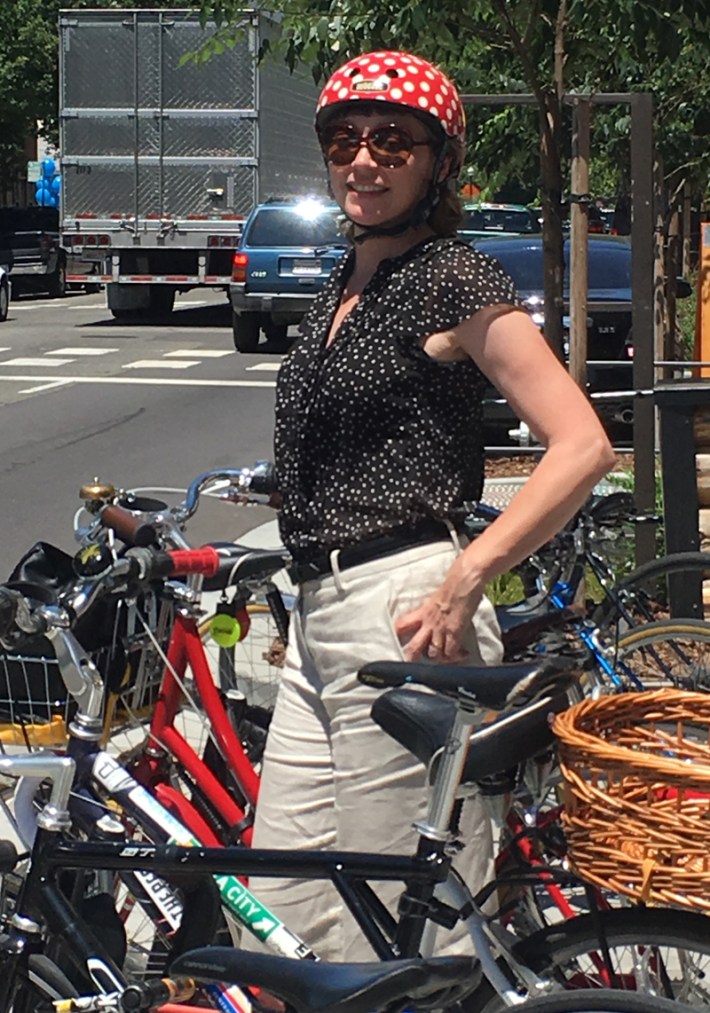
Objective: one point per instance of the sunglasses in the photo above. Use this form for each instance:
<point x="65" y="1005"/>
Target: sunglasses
<point x="389" y="146"/>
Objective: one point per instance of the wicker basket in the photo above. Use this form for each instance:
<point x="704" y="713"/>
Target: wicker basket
<point x="637" y="794"/>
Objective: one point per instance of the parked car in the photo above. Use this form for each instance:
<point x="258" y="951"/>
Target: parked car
<point x="36" y="258"/>
<point x="287" y="250"/>
<point x="482" y="219"/>
<point x="5" y="290"/>
<point x="610" y="347"/>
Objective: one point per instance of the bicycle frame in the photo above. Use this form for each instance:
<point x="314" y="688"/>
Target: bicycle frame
<point x="350" y="873"/>
<point x="185" y="649"/>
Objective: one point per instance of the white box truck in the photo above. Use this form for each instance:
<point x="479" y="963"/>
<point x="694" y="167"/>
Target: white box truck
<point x="163" y="158"/>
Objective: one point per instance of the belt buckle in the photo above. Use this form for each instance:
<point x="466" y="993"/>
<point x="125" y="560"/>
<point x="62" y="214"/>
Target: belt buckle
<point x="301" y="572"/>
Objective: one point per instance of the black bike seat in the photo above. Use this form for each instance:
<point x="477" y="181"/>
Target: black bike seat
<point x="316" y="986"/>
<point x="494" y="687"/>
<point x="421" y="722"/>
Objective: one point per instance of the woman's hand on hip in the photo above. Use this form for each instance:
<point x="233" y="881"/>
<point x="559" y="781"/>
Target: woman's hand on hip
<point x="436" y="628"/>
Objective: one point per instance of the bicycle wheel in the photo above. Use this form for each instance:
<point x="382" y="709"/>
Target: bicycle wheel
<point x="672" y="652"/>
<point x="662" y="953"/>
<point x="643" y="594"/>
<point x="40" y="984"/>
<point x="252" y="666"/>
<point x="607" y="1001"/>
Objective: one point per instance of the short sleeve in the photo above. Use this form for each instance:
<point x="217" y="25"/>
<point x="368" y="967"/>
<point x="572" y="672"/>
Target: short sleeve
<point x="465" y="280"/>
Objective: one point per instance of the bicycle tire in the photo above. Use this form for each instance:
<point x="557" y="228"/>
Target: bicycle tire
<point x="601" y="1001"/>
<point x="671" y="652"/>
<point x="649" y="582"/>
<point x="40" y="985"/>
<point x="665" y="951"/>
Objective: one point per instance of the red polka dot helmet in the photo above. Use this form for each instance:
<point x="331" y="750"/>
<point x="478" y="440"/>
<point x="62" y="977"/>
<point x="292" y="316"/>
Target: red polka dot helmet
<point x="399" y="79"/>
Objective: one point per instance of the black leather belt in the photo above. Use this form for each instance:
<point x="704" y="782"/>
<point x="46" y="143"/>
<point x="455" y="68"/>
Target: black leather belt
<point x="373" y="548"/>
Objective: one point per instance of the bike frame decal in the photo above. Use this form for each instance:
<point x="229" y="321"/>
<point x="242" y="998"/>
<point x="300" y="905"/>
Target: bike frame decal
<point x="243" y="904"/>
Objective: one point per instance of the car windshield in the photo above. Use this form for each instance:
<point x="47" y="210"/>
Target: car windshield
<point x="498" y="220"/>
<point x="286" y="227"/>
<point x="609" y="268"/>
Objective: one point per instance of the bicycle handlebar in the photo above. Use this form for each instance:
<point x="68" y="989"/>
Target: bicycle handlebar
<point x="256" y="484"/>
<point x="130" y="528"/>
<point x="20" y="615"/>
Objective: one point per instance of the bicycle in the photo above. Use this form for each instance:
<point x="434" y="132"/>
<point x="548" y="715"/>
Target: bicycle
<point x="623" y="644"/>
<point x="535" y="690"/>
<point x="350" y="988"/>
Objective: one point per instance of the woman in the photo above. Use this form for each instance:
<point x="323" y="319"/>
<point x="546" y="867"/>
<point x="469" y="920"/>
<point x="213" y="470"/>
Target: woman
<point x="379" y="455"/>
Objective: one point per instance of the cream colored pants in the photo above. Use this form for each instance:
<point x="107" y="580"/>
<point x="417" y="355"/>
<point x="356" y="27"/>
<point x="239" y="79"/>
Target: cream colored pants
<point x="332" y="779"/>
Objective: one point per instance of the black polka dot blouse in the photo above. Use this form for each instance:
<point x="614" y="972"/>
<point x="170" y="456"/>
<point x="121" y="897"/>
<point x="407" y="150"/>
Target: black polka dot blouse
<point x="373" y="435"/>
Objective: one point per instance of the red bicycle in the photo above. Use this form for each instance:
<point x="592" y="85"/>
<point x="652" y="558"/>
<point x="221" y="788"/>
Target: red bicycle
<point x="200" y="748"/>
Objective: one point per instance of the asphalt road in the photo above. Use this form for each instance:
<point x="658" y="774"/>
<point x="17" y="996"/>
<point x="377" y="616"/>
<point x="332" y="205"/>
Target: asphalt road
<point x="144" y="405"/>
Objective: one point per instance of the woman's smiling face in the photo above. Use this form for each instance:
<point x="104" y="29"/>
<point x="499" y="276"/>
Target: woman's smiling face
<point x="372" y="194"/>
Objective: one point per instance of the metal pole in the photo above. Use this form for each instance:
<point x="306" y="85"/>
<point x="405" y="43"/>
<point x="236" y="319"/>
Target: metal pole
<point x="642" y="315"/>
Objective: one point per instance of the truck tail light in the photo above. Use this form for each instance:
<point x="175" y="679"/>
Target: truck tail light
<point x="239" y="267"/>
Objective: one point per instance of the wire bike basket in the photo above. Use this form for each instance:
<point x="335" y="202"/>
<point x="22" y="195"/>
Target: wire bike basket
<point x="636" y="770"/>
<point x="35" y="707"/>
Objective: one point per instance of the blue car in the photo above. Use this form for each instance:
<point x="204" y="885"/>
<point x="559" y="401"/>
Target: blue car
<point x="609" y="348"/>
<point x="287" y="250"/>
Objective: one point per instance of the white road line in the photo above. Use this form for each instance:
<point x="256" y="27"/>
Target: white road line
<point x="160" y="364"/>
<point x="204" y="353"/>
<point x="82" y="351"/>
<point x="139" y="381"/>
<point x="7" y="348"/>
<point x="66" y="304"/>
<point x="44" y="386"/>
<point x="36" y="362"/>
<point x="268" y="367"/>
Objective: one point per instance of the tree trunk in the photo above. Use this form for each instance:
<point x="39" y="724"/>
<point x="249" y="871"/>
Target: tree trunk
<point x="579" y="246"/>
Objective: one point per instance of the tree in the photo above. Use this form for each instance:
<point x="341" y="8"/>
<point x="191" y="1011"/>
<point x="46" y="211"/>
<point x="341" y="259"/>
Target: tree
<point x="544" y="47"/>
<point x="29" y="75"/>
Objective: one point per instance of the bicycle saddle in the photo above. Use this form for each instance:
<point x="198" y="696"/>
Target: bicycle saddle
<point x="494" y="687"/>
<point x="421" y="723"/>
<point x="311" y="986"/>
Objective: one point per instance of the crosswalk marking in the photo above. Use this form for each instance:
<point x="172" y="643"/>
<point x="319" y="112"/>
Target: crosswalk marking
<point x="137" y="381"/>
<point x="85" y="350"/>
<point x="44" y="386"/>
<point x="268" y="367"/>
<point x="204" y="353"/>
<point x="159" y="364"/>
<point x="35" y="362"/>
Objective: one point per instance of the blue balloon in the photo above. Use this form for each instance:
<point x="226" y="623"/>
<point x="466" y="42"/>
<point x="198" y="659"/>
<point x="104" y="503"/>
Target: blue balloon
<point x="45" y="195"/>
<point x="55" y="184"/>
<point x="48" y="167"/>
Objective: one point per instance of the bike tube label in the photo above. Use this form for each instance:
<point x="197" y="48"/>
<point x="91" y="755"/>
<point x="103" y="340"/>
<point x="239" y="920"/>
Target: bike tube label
<point x="235" y="896"/>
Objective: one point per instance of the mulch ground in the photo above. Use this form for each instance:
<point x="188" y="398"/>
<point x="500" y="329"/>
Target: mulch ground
<point x="515" y="465"/>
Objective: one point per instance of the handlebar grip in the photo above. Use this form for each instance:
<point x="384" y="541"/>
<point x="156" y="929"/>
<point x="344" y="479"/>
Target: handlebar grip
<point x="205" y="561"/>
<point x="263" y="478"/>
<point x="129" y="528"/>
<point x="8" y="610"/>
<point x="150" y="994"/>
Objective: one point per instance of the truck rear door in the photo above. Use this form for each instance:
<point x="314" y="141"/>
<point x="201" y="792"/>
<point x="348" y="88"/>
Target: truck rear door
<point x="146" y="135"/>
